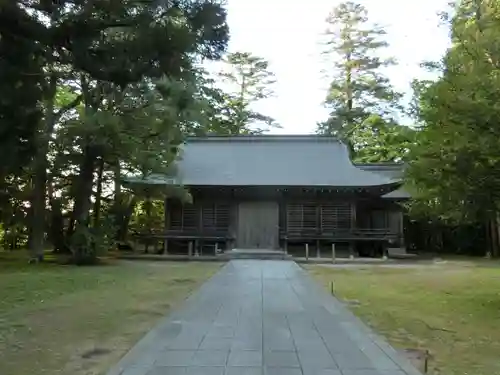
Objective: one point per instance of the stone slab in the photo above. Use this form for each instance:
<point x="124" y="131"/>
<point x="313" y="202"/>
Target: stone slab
<point x="262" y="317"/>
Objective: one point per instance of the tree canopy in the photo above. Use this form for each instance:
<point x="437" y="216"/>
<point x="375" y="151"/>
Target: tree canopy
<point x="454" y="166"/>
<point x="92" y="91"/>
<point x="249" y="81"/>
<point x="361" y="99"/>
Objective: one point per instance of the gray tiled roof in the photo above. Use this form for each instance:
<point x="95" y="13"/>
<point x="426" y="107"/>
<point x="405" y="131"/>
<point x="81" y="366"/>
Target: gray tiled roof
<point x="391" y="170"/>
<point x="400" y="193"/>
<point x="271" y="161"/>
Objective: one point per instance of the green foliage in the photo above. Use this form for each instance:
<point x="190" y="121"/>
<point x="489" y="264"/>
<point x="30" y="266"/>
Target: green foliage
<point x="90" y="91"/>
<point x="360" y="98"/>
<point x="87" y="244"/>
<point x="358" y="88"/>
<point x="249" y="80"/>
<point x="20" y="95"/>
<point x="149" y="215"/>
<point x="454" y="169"/>
<point x="377" y="140"/>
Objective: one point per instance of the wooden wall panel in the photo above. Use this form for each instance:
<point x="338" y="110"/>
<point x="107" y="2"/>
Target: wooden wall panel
<point x="322" y="217"/>
<point x="200" y="216"/>
<point x="258" y="225"/>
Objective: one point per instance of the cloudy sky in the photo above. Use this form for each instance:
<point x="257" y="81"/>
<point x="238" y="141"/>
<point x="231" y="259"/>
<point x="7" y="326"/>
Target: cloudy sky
<point x="287" y="33"/>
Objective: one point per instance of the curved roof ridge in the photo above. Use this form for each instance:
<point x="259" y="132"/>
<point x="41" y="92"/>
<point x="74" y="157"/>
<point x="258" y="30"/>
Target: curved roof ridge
<point x="272" y="160"/>
<point x="263" y="137"/>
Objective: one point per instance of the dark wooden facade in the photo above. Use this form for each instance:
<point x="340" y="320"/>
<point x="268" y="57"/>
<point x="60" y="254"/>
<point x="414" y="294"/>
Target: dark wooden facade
<point x="276" y="218"/>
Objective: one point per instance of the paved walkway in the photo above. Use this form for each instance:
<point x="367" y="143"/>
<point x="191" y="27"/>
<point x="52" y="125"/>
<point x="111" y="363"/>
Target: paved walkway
<point x="262" y="318"/>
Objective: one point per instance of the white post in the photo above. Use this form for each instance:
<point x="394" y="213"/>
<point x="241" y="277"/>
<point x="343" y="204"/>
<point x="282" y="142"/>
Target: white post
<point x="216" y="248"/>
<point x="333" y="253"/>
<point x="190" y="249"/>
<point x="307" y="251"/>
<point x="351" y="250"/>
<point x="197" y="248"/>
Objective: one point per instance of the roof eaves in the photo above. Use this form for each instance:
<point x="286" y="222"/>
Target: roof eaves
<point x="266" y="137"/>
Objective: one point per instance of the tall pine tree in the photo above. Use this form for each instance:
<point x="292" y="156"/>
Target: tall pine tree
<point x="358" y="89"/>
<point x="250" y="81"/>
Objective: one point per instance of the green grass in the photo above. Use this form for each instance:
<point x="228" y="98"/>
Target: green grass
<point x="81" y="320"/>
<point x="452" y="310"/>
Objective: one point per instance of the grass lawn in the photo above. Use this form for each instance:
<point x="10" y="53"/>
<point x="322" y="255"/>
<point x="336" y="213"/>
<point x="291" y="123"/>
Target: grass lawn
<point x="81" y="320"/>
<point x="453" y="310"/>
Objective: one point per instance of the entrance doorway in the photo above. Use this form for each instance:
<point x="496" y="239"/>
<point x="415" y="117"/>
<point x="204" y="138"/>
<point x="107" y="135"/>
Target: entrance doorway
<point x="258" y="225"/>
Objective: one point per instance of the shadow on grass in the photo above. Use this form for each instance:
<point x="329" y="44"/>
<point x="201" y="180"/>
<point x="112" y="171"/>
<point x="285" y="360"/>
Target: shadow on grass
<point x="20" y="260"/>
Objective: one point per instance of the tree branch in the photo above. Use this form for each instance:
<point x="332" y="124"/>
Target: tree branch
<point x="69" y="106"/>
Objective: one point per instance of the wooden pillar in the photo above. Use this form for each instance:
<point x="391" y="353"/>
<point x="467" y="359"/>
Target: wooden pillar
<point x="319" y="227"/>
<point x="395" y="224"/>
<point x="190" y="249"/>
<point x="401" y="228"/>
<point x="352" y="244"/>
<point x="319" y="219"/>
<point x="233" y="225"/>
<point x="200" y="230"/>
<point x="353" y="215"/>
<point x="200" y="218"/>
<point x="284" y="221"/>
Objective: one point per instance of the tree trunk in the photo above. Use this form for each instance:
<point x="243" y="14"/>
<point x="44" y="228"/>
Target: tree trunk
<point x="81" y="207"/>
<point x="494" y="237"/>
<point x="118" y="209"/>
<point x="346" y="134"/>
<point x="123" y="219"/>
<point x="57" y="227"/>
<point x="29" y="218"/>
<point x="39" y="179"/>
<point x="98" y="195"/>
<point x="85" y="179"/>
<point x="496" y="230"/>
<point x="117" y="179"/>
<point x="348" y="88"/>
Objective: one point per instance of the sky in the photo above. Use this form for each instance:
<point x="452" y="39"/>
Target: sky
<point x="287" y="33"/>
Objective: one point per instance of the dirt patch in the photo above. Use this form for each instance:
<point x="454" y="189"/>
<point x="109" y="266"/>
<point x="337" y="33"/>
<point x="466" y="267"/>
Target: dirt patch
<point x="95" y="352"/>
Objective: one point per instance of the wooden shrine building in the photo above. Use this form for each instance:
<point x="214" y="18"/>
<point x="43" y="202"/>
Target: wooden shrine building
<point x="271" y="192"/>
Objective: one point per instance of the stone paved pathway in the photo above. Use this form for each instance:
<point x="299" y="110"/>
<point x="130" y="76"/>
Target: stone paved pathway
<point x="262" y="318"/>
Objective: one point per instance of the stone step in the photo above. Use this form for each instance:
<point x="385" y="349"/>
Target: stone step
<point x="262" y="254"/>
